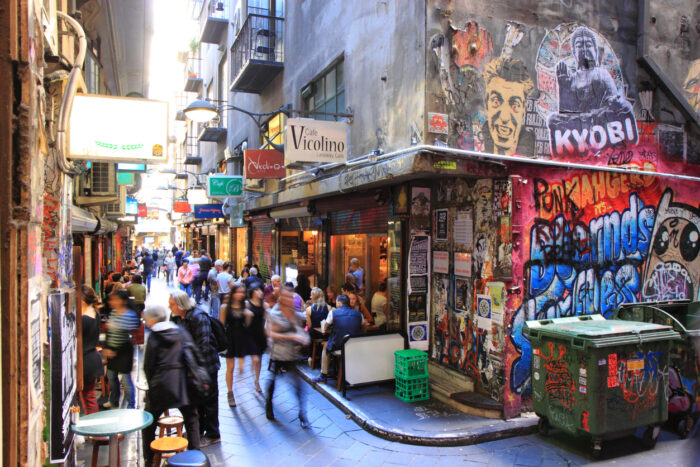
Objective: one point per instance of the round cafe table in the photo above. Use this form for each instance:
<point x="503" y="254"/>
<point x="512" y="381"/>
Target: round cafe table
<point x="112" y="423"/>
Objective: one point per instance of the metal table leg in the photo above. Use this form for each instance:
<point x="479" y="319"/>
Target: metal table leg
<point x="113" y="450"/>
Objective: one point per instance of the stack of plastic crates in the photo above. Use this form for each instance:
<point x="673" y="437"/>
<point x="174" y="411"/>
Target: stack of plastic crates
<point x="411" y="372"/>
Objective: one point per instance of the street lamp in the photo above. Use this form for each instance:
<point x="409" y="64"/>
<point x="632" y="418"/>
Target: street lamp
<point x="202" y="111"/>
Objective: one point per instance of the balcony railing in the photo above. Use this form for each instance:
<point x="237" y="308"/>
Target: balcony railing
<point x="215" y="21"/>
<point x="193" y="80"/>
<point x="192" y="156"/>
<point x="257" y="55"/>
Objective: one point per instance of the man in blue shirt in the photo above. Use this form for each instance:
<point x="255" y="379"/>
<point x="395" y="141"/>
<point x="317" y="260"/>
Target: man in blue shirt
<point x="147" y="263"/>
<point x="345" y="321"/>
<point x="358" y="272"/>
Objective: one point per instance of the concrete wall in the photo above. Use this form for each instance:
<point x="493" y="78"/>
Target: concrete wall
<point x="377" y="39"/>
<point x="508" y="77"/>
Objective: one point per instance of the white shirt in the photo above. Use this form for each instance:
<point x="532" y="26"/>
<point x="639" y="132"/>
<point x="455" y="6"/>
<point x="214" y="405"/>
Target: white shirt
<point x="224" y="279"/>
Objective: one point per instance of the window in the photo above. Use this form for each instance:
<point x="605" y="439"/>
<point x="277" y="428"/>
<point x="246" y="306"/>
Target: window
<point x="92" y="73"/>
<point x="326" y="93"/>
<point x="222" y="89"/>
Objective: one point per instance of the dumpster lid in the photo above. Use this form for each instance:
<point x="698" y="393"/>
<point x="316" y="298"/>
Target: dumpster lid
<point x="599" y="332"/>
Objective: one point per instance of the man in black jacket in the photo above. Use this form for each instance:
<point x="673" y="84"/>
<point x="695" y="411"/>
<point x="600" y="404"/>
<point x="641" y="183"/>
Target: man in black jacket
<point x="196" y="321"/>
<point x="201" y="277"/>
<point x="166" y="376"/>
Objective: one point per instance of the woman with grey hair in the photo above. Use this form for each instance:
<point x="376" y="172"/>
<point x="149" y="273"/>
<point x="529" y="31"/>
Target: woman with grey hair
<point x="166" y="375"/>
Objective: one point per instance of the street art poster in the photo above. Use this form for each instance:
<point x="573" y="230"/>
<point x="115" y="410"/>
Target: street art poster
<point x="497" y="292"/>
<point x="418" y="335"/>
<point x="441" y="262"/>
<point x="441" y="225"/>
<point x="418" y="255"/>
<point x="463" y="264"/>
<point x="417" y="310"/>
<point x="63" y="372"/>
<point x="464" y="229"/>
<point x="418" y="284"/>
<point x="582" y="94"/>
<point x="463" y="295"/>
<point x="420" y="209"/>
<point x="483" y="311"/>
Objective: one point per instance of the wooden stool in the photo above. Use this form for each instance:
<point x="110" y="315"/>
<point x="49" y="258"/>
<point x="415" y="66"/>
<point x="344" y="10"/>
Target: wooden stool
<point x="316" y="350"/>
<point x="167" y="423"/>
<point x="98" y="441"/>
<point x="166" y="447"/>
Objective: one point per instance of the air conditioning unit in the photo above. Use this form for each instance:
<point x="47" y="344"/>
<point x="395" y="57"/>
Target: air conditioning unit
<point x="118" y="208"/>
<point x="103" y="179"/>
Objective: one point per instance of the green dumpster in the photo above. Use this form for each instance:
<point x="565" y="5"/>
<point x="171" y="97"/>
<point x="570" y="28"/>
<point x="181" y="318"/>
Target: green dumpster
<point x="600" y="378"/>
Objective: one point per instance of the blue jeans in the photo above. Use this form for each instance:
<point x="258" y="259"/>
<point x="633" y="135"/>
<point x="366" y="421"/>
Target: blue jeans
<point x="215" y="304"/>
<point x="187" y="288"/>
<point x="115" y="389"/>
<point x="147" y="279"/>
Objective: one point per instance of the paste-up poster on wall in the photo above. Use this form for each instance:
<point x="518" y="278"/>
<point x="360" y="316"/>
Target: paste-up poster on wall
<point x="463" y="264"/>
<point x="441" y="216"/>
<point x="418" y="284"/>
<point x="441" y="262"/>
<point x="418" y="335"/>
<point x="498" y="295"/>
<point x="464" y="229"/>
<point x="483" y="311"/>
<point x="463" y="295"/>
<point x="417" y="308"/>
<point x="420" y="209"/>
<point x="418" y="255"/>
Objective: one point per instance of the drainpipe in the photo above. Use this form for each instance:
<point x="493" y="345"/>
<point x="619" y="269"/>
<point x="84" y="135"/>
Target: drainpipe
<point x="68" y="95"/>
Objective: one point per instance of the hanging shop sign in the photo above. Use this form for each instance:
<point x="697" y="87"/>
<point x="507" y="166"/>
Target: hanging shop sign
<point x="208" y="211"/>
<point x="223" y="186"/>
<point x="143" y="210"/>
<point x="131" y="206"/>
<point x="263" y="163"/>
<point x="125" y="178"/>
<point x="182" y="207"/>
<point x="118" y="129"/>
<point x="309" y="140"/>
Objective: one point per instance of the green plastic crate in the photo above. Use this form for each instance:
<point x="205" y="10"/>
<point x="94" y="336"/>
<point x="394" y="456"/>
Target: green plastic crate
<point x="410" y="363"/>
<point x="412" y="389"/>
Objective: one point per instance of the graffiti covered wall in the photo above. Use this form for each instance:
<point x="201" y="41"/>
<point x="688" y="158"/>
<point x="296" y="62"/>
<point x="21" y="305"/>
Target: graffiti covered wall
<point x="565" y="87"/>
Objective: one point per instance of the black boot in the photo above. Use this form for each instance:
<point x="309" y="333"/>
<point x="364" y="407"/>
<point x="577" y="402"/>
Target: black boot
<point x="303" y="421"/>
<point x="268" y="410"/>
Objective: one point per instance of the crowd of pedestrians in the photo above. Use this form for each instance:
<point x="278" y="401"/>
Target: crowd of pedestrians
<point x="212" y="312"/>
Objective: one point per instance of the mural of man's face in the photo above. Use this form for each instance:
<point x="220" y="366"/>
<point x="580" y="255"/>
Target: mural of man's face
<point x="505" y="110"/>
<point x="585" y="51"/>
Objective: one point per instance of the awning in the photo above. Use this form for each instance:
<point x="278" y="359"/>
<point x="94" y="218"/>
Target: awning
<point x="83" y="221"/>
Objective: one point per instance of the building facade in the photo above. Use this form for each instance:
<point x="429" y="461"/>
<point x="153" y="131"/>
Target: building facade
<point x="507" y="161"/>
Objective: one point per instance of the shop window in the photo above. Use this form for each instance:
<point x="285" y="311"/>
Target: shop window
<point x="300" y="253"/>
<point x="326" y="93"/>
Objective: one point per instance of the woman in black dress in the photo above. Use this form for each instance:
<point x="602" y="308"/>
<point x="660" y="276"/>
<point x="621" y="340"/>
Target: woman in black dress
<point x="232" y="314"/>
<point x="92" y="361"/>
<point x="255" y="322"/>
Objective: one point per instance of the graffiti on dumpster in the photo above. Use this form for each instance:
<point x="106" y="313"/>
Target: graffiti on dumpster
<point x="641" y="378"/>
<point x="559" y="383"/>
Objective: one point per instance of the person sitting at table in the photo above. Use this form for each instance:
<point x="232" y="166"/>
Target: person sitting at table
<point x="166" y="377"/>
<point x="317" y="312"/>
<point x="357" y="304"/>
<point x="345" y="321"/>
<point x="380" y="305"/>
<point x="331" y="294"/>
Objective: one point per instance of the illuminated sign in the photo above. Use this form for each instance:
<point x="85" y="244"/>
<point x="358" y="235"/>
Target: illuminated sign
<point x="128" y="167"/>
<point x="118" y="129"/>
<point x="125" y="178"/>
<point x="132" y="206"/>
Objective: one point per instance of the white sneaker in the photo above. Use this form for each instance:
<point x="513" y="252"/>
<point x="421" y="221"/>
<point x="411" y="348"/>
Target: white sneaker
<point x="107" y="405"/>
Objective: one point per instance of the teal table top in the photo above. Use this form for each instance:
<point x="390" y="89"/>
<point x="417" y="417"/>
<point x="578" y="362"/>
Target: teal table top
<point x="112" y="422"/>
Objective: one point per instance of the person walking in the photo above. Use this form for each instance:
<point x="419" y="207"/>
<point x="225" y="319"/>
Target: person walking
<point x="156" y="257"/>
<point x="232" y="315"/>
<point x="178" y="258"/>
<point x="119" y="350"/>
<point x="195" y="321"/>
<point x="287" y="336"/>
<point x="170" y="269"/>
<point x="160" y="261"/>
<point x="255" y="327"/>
<point x="92" y="361"/>
<point x="200" y="278"/>
<point x="224" y="280"/>
<point x="147" y="263"/>
<point x="213" y="287"/>
<point x="166" y="376"/>
<point x="184" y="276"/>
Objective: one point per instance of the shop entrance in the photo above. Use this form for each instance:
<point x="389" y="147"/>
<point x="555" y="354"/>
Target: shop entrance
<point x="300" y="254"/>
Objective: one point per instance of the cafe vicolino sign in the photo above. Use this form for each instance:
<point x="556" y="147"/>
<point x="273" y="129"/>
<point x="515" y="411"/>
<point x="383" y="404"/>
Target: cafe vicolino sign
<point x="308" y="140"/>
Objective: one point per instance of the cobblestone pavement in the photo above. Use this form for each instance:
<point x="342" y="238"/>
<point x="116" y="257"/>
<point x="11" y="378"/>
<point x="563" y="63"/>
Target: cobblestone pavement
<point x="249" y="439"/>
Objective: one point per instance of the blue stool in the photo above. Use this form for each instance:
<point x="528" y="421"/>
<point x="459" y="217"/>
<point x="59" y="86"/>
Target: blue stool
<point x="188" y="459"/>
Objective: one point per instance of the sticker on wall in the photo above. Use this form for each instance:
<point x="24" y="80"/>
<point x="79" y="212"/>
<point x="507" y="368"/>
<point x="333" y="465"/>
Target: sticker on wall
<point x="418" y="255"/>
<point x="418" y="332"/>
<point x="441" y="216"/>
<point x="483" y="311"/>
<point x="498" y="295"/>
<point x="441" y="262"/>
<point x="417" y="308"/>
<point x="437" y="123"/>
<point x="420" y="209"/>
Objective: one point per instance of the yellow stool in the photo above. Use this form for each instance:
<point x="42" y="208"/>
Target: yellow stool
<point x="166" y="447"/>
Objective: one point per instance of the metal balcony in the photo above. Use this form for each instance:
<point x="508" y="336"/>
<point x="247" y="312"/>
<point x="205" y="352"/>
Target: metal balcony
<point x="193" y="80"/>
<point x="212" y="133"/>
<point x="192" y="156"/>
<point x="215" y="22"/>
<point x="257" y="55"/>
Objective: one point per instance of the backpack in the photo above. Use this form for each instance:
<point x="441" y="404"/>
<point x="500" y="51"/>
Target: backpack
<point x="198" y="382"/>
<point x="219" y="332"/>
